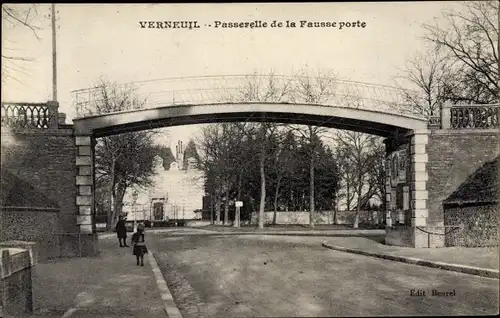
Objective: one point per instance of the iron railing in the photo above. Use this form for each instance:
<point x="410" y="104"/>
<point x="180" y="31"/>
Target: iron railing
<point x="474" y="116"/>
<point x="251" y="88"/>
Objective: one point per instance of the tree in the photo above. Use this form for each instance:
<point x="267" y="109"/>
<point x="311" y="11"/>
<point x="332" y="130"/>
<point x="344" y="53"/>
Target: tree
<point x="248" y="160"/>
<point x="347" y="174"/>
<point x="328" y="181"/>
<point x="283" y="155"/>
<point x="124" y="160"/>
<point x="313" y="90"/>
<point x="217" y="159"/>
<point x="17" y="16"/>
<point x="271" y="91"/>
<point x="466" y="42"/>
<point x="430" y="73"/>
<point x="357" y="151"/>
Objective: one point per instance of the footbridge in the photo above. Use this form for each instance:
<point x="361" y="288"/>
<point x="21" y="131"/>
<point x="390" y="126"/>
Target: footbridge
<point x="423" y="162"/>
<point x="328" y="102"/>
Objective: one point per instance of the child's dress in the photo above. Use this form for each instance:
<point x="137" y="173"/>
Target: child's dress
<point x="139" y="244"/>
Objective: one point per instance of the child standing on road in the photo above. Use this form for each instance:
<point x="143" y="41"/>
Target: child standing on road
<point x="139" y="244"/>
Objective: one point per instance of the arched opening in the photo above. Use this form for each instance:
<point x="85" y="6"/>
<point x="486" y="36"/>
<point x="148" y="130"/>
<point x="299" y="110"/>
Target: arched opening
<point x="402" y="129"/>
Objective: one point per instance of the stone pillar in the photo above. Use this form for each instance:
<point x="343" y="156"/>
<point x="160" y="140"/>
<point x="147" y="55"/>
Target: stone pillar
<point x="61" y="119"/>
<point x="418" y="183"/>
<point x="446" y="115"/>
<point x="84" y="182"/>
<point x="53" y="113"/>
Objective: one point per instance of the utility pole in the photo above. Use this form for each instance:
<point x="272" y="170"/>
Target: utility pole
<point x="54" y="54"/>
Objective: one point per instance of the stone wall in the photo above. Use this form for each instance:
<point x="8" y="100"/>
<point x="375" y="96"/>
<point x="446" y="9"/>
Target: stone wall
<point x="322" y="217"/>
<point x="453" y="156"/>
<point x="16" y="293"/>
<point x="31" y="225"/>
<point x="479" y="225"/>
<point x="46" y="160"/>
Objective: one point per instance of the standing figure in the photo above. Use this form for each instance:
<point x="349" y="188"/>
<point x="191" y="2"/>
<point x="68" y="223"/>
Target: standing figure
<point x="139" y="244"/>
<point x="121" y="232"/>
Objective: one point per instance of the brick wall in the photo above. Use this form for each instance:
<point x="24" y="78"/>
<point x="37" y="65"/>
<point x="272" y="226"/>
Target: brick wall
<point x="32" y="226"/>
<point x="46" y="160"/>
<point x="480" y="225"/>
<point x="453" y="156"/>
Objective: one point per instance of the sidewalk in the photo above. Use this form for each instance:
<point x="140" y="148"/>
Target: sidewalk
<point x="111" y="285"/>
<point x="482" y="261"/>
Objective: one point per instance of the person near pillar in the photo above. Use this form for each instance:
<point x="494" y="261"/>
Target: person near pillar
<point x="138" y="239"/>
<point x="121" y="232"/>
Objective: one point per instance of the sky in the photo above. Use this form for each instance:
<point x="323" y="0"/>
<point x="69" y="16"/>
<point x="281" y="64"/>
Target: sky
<point x="95" y="40"/>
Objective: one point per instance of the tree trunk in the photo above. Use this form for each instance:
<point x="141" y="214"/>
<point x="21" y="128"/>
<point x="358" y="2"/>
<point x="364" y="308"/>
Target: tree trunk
<point x="212" y="203"/>
<point x="358" y="208"/>
<point x="276" y="195"/>
<point x="356" y="219"/>
<point x="335" y="215"/>
<point x="226" y="207"/>
<point x="311" y="196"/>
<point x="119" y="195"/>
<point x="109" y="219"/>
<point x="217" y="210"/>
<point x="262" y="181"/>
<point x="109" y="215"/>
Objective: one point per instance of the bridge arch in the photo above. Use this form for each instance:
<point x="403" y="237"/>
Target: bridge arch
<point x="409" y="131"/>
<point x="363" y="120"/>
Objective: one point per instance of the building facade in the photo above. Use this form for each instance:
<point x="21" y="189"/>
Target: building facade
<point x="176" y="193"/>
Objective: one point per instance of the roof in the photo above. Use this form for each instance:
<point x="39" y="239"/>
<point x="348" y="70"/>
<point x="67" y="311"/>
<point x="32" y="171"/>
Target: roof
<point x="16" y="192"/>
<point x="480" y="187"/>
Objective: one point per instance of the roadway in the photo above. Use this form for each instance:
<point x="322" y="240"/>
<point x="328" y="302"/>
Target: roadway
<point x="251" y="275"/>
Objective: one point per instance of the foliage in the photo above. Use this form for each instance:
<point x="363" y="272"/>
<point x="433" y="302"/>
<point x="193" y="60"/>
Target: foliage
<point x="462" y="65"/>
<point x="231" y="163"/>
<point x="361" y="159"/>
<point x="17" y="16"/>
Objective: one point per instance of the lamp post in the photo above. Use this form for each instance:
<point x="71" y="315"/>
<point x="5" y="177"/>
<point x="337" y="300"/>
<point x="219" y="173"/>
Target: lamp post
<point x="151" y="212"/>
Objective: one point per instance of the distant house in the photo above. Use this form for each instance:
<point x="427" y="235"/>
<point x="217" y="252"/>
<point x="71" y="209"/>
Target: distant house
<point x="474" y="206"/>
<point x="176" y="191"/>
